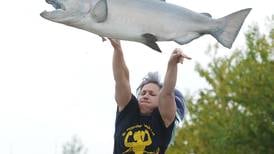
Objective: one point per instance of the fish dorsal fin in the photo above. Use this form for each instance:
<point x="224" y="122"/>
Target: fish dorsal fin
<point x="207" y="14"/>
<point x="100" y="11"/>
<point x="150" y="40"/>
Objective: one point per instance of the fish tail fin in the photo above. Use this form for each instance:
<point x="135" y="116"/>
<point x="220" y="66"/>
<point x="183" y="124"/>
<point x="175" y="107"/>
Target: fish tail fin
<point x="230" y="27"/>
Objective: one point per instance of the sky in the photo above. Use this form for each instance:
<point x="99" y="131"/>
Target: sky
<point x="56" y="81"/>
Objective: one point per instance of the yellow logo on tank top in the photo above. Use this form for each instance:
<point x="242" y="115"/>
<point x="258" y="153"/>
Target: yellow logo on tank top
<point x="137" y="138"/>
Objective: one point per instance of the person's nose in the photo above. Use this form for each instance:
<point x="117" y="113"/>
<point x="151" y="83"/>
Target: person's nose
<point x="145" y="97"/>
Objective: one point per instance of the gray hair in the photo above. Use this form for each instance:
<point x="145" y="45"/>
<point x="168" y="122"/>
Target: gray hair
<point x="151" y="77"/>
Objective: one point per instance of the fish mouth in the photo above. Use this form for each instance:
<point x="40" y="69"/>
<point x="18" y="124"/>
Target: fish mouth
<point x="58" y="12"/>
<point x="57" y="5"/>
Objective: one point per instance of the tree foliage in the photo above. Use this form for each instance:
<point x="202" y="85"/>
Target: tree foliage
<point x="75" y="146"/>
<point x="235" y="115"/>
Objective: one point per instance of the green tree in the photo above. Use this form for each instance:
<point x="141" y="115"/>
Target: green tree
<point x="75" y="146"/>
<point x="235" y="115"/>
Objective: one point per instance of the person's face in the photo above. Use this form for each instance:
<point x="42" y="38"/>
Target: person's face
<point x="149" y="98"/>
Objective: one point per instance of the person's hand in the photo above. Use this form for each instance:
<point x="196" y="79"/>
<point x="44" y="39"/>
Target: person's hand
<point x="115" y="44"/>
<point x="178" y="56"/>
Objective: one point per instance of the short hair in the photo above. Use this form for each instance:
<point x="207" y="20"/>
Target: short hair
<point x="151" y="77"/>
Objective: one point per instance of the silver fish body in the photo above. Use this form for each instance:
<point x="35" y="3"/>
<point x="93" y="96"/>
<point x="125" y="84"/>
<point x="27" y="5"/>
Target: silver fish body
<point x="145" y="21"/>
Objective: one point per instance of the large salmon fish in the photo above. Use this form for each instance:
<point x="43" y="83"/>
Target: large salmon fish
<point x="145" y="21"/>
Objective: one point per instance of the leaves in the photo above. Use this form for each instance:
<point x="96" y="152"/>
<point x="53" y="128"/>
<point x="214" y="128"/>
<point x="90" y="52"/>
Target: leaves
<point x="235" y="115"/>
<point x="74" y="146"/>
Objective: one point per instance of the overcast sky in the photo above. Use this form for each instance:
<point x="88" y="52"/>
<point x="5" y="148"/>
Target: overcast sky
<point x="56" y="81"/>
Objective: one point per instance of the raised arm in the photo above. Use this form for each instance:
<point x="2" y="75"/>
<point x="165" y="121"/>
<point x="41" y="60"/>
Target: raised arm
<point x="167" y="104"/>
<point x="121" y="76"/>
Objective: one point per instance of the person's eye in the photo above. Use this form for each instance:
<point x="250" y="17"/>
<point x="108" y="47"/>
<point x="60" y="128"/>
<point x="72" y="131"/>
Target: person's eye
<point x="143" y="93"/>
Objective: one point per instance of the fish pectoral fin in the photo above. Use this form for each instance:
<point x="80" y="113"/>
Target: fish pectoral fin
<point x="207" y="14"/>
<point x="150" y="40"/>
<point x="187" y="38"/>
<point x="100" y="11"/>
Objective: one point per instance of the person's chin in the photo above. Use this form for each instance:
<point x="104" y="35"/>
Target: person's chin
<point x="145" y="108"/>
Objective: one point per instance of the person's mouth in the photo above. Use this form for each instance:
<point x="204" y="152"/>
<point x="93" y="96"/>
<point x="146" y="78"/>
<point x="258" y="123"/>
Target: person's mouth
<point x="144" y="102"/>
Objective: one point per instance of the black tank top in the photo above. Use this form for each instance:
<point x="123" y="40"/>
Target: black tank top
<point x="137" y="134"/>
